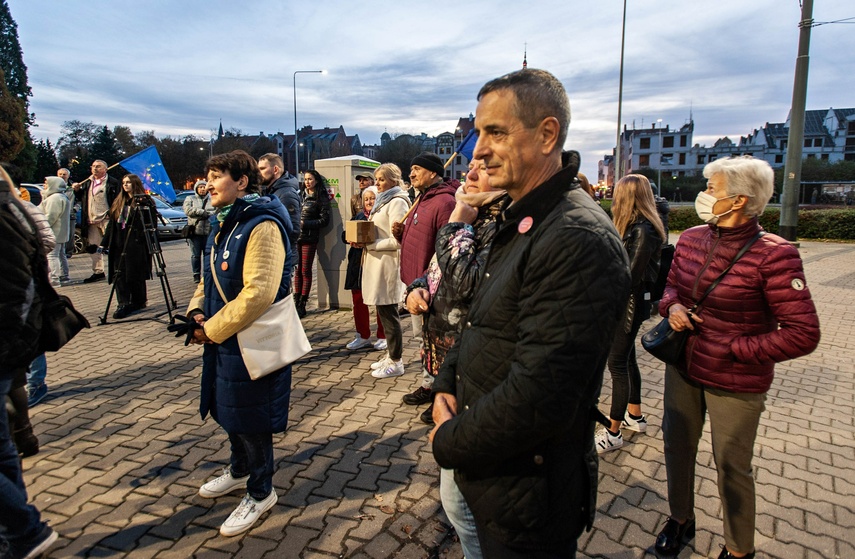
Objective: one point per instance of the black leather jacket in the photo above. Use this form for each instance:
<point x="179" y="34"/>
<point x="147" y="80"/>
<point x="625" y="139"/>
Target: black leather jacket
<point x="315" y="215"/>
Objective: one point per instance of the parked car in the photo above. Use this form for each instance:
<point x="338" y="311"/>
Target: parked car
<point x="180" y="197"/>
<point x="170" y="220"/>
<point x="35" y="191"/>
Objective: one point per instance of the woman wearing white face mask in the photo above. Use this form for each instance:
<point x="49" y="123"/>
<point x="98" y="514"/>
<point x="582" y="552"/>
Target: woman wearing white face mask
<point x="759" y="314"/>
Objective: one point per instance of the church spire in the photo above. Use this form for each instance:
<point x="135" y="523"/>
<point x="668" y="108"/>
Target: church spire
<point x="525" y="56"/>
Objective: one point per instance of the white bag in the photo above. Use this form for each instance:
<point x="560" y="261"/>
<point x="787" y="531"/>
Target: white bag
<point x="274" y="340"/>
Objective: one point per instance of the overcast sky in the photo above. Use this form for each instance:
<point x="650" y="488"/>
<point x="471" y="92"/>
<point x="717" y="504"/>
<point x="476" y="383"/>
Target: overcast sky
<point x="178" y="67"/>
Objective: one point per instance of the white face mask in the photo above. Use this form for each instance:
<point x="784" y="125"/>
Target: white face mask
<point x="704" y="205"/>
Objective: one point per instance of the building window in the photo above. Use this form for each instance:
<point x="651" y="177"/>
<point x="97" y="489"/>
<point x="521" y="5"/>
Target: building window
<point x="682" y="159"/>
<point x="459" y="160"/>
<point x="644" y="160"/>
<point x="817" y="143"/>
<point x="700" y="160"/>
<point x="681" y="174"/>
<point x="824" y="157"/>
<point x="713" y="157"/>
<point x="684" y="141"/>
<point x="644" y="143"/>
<point x="783" y="144"/>
<point x="852" y="128"/>
<point x="807" y="142"/>
<point x="668" y="142"/>
<point x="811" y="156"/>
<point x="779" y="159"/>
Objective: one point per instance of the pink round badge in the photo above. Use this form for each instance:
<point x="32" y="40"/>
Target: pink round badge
<point x="525" y="224"/>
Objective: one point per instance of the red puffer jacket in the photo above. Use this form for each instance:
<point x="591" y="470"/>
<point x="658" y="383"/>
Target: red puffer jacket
<point x="431" y="213"/>
<point x="760" y="314"/>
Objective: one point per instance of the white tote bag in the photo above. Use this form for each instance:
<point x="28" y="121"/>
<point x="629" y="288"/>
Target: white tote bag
<point x="274" y="340"/>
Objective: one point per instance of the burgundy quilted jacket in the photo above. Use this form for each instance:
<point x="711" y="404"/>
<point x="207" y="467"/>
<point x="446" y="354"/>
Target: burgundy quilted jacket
<point x="760" y="314"/>
<point x="420" y="228"/>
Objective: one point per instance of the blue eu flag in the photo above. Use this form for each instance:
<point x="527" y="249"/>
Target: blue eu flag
<point x="147" y="165"/>
<point x="467" y="146"/>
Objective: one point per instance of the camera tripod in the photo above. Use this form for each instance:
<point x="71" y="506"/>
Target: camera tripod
<point x="149" y="227"/>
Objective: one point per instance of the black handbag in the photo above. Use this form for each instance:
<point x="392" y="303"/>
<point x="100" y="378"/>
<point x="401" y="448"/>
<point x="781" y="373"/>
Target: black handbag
<point x="188" y="231"/>
<point x="60" y="320"/>
<point x="665" y="343"/>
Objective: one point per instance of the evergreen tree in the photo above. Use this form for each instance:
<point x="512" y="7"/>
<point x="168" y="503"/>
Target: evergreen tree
<point x="12" y="59"/>
<point x="105" y="147"/>
<point x="13" y="131"/>
<point x="46" y="162"/>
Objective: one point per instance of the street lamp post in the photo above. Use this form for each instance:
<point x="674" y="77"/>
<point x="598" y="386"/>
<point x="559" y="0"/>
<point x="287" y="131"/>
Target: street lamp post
<point x="659" y="180"/>
<point x="296" y="143"/>
<point x="620" y="97"/>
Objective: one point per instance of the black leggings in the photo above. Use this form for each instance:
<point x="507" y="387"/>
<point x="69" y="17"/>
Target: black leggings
<point x="626" y="378"/>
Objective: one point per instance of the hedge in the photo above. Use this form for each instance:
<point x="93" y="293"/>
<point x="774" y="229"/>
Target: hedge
<point x="813" y="224"/>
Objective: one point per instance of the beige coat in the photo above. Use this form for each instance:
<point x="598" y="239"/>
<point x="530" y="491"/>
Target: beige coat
<point x="381" y="276"/>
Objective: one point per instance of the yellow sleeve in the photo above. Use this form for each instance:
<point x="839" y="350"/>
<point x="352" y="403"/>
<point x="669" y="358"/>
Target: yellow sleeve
<point x="262" y="272"/>
<point x="198" y="300"/>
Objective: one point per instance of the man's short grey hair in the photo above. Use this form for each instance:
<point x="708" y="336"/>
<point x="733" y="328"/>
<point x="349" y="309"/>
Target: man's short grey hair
<point x="747" y="176"/>
<point x="61" y="169"/>
<point x="539" y="95"/>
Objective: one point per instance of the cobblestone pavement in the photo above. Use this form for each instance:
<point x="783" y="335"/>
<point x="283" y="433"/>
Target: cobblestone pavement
<point x="124" y="450"/>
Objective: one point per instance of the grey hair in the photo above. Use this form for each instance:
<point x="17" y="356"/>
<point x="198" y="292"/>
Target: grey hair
<point x="747" y="176"/>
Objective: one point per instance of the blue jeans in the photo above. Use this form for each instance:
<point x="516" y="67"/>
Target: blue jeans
<point x="459" y="514"/>
<point x="197" y="248"/>
<point x="253" y="455"/>
<point x="36" y="373"/>
<point x="19" y="522"/>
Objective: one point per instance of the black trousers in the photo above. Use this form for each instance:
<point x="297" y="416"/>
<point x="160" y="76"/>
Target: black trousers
<point x="491" y="548"/>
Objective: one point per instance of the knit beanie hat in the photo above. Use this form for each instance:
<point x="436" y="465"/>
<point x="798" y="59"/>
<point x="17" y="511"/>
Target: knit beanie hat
<point x="429" y="161"/>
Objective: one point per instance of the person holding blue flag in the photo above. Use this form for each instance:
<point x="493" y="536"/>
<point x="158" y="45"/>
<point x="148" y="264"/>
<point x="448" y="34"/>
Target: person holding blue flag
<point x="96" y="194"/>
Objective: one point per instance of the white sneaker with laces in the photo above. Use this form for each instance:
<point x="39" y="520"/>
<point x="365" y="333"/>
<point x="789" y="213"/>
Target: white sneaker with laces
<point x="605" y="441"/>
<point x="637" y="425"/>
<point x="246" y="514"/>
<point x="380" y="345"/>
<point x="358" y="343"/>
<point x="392" y="369"/>
<point x="381" y="363"/>
<point x="223" y="485"/>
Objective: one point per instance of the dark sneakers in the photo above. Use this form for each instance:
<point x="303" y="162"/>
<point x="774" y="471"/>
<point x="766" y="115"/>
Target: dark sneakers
<point x="122" y="312"/>
<point x="95" y="277"/>
<point x="40" y="543"/>
<point x="427" y="415"/>
<point x="36" y="395"/>
<point x="672" y="537"/>
<point x="421" y="396"/>
<point x="725" y="554"/>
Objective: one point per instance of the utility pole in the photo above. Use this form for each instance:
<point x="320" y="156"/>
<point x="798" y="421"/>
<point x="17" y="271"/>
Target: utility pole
<point x="620" y="98"/>
<point x="793" y="167"/>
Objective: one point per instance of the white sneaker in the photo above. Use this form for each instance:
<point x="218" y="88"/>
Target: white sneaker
<point x="392" y="369"/>
<point x="358" y="343"/>
<point x="605" y="441"/>
<point x="637" y="425"/>
<point x="246" y="514"/>
<point x="223" y="485"/>
<point x="382" y="363"/>
<point x="380" y="345"/>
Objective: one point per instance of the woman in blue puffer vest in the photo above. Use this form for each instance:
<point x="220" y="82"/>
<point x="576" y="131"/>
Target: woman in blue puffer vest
<point x="250" y="253"/>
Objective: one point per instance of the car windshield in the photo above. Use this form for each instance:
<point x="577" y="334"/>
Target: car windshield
<point x="161" y="205"/>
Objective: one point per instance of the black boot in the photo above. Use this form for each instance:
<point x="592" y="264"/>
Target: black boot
<point x="26" y="441"/>
<point x="301" y="305"/>
<point x="22" y="429"/>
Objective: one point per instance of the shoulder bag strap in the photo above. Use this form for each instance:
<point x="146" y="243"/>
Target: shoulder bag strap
<point x="739" y="255"/>
<point x="214" y="274"/>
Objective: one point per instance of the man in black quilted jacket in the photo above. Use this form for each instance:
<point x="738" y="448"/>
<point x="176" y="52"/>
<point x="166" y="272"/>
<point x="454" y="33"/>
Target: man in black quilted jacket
<point x="516" y="394"/>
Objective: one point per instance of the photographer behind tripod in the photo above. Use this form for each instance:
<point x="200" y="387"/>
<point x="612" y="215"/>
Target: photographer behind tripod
<point x="129" y="258"/>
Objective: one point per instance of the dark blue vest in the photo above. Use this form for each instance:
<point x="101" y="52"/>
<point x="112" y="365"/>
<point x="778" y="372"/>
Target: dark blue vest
<point x="238" y="403"/>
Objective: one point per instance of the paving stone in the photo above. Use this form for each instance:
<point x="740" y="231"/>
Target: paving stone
<point x="124" y="449"/>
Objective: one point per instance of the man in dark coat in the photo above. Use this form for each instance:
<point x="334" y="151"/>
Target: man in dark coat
<point x="276" y="181"/>
<point x="516" y="394"/>
<point x="96" y="195"/>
